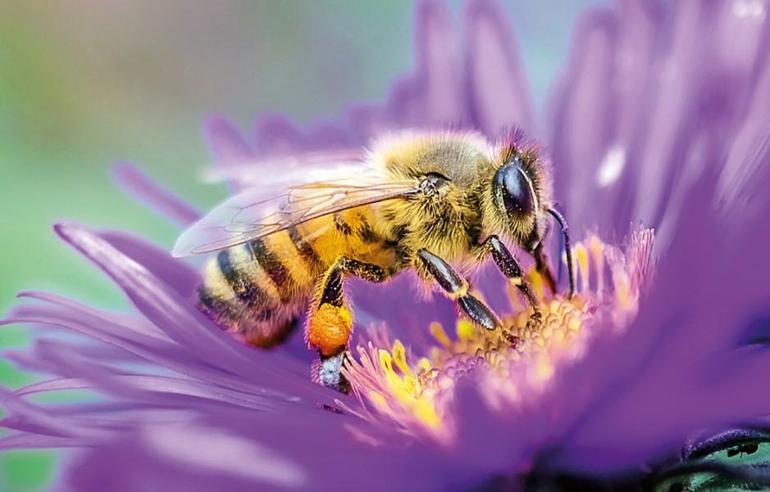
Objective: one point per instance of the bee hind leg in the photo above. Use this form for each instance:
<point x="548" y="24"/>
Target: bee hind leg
<point x="456" y="288"/>
<point x="330" y="322"/>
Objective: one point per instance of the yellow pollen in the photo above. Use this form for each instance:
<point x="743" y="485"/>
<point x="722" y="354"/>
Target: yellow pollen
<point x="543" y="368"/>
<point x="596" y="248"/>
<point x="440" y="335"/>
<point x="622" y="290"/>
<point x="465" y="329"/>
<point x="537" y="283"/>
<point x="512" y="364"/>
<point x="581" y="255"/>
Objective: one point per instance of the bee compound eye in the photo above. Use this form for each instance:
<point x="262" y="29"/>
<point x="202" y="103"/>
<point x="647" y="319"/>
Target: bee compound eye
<point x="514" y="189"/>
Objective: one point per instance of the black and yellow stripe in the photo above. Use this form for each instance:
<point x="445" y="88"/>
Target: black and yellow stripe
<point x="257" y="286"/>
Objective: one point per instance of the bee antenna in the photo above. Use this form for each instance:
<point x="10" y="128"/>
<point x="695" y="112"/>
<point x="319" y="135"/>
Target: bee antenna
<point x="565" y="232"/>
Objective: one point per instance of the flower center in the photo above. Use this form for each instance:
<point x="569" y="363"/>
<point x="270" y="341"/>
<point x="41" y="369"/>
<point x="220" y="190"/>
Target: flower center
<point x="413" y="386"/>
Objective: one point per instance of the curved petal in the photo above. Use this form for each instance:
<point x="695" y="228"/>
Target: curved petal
<point x="497" y="87"/>
<point x="155" y="196"/>
<point x="226" y="143"/>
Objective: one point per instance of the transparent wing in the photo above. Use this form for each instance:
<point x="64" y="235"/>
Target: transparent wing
<point x="293" y="168"/>
<point x="249" y="215"/>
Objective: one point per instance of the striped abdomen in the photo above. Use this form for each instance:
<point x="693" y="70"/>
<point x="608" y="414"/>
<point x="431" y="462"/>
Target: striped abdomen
<point x="258" y="288"/>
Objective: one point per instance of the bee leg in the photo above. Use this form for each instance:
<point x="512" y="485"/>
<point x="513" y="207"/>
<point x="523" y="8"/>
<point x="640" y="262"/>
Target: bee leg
<point x="509" y="267"/>
<point x="567" y="248"/>
<point x="328" y="372"/>
<point x="541" y="265"/>
<point x="331" y="322"/>
<point x="456" y="288"/>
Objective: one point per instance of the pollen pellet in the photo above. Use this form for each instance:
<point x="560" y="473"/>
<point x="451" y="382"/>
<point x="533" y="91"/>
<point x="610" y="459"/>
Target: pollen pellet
<point x="329" y="329"/>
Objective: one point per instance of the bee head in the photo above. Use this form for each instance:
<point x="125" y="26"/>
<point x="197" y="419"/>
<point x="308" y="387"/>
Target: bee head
<point x="514" y="191"/>
<point x="518" y="203"/>
<point x="515" y="197"/>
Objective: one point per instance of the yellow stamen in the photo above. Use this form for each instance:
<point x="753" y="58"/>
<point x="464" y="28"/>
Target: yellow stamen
<point x="581" y="255"/>
<point x="516" y="363"/>
<point x="399" y="357"/>
<point x="440" y="335"/>
<point x="386" y="361"/>
<point x="596" y="248"/>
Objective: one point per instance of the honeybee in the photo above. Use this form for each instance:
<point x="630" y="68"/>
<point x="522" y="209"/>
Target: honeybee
<point x="422" y="201"/>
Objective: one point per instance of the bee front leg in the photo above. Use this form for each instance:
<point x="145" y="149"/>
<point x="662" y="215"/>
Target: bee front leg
<point x="331" y="322"/>
<point x="456" y="288"/>
<point x="509" y="267"/>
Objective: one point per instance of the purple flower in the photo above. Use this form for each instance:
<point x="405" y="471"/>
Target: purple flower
<point x="660" y="123"/>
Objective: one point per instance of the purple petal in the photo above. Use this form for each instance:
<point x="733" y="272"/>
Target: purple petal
<point x="176" y="274"/>
<point x="585" y="119"/>
<point x="177" y="317"/>
<point x="497" y="85"/>
<point x="432" y="96"/>
<point x="36" y="441"/>
<point x="226" y="144"/>
<point x="276" y="135"/>
<point x="153" y="195"/>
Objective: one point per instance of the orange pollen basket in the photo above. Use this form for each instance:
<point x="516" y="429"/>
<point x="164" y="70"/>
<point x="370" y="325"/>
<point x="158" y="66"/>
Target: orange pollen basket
<point x="330" y="328"/>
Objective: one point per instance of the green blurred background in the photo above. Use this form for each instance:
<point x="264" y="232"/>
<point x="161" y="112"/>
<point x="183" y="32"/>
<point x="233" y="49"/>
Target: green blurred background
<point x="85" y="83"/>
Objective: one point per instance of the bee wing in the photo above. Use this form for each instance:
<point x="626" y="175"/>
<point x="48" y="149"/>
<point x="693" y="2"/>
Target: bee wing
<point x="294" y="168"/>
<point x="248" y="215"/>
